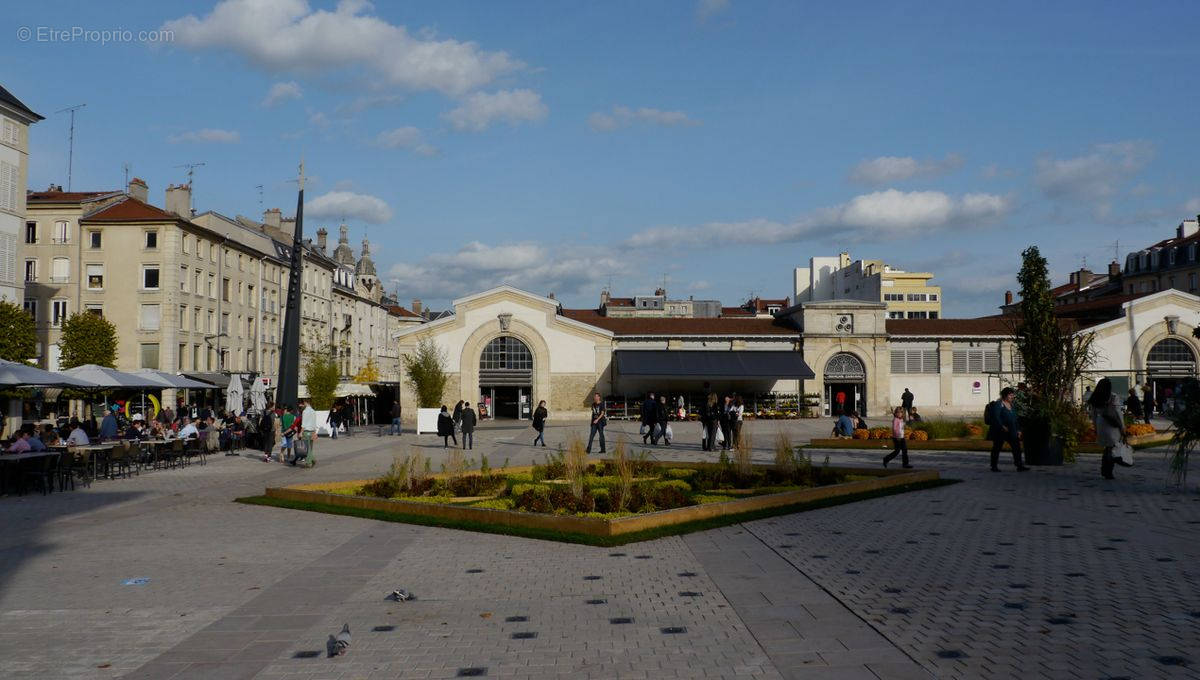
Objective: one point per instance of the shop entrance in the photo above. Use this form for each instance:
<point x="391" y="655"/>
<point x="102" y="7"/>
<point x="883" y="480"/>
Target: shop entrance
<point x="505" y="379"/>
<point x="845" y="385"/>
<point x="506" y="401"/>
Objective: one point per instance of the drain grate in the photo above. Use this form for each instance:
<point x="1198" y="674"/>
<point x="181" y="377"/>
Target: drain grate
<point x="950" y="654"/>
<point x="673" y="630"/>
<point x="516" y="619"/>
<point x="893" y="591"/>
<point x="472" y="672"/>
<point x="526" y="635"/>
<point x="686" y="574"/>
<point x="1059" y="620"/>
<point x="620" y="620"/>
<point x="592" y="578"/>
<point x="306" y="654"/>
<point x="597" y="602"/>
<point x="474" y="571"/>
<point x="642" y="557"/>
<point x="383" y="629"/>
<point x="1171" y="660"/>
<point x="688" y="593"/>
<point x="1014" y="605"/>
<point x="900" y="610"/>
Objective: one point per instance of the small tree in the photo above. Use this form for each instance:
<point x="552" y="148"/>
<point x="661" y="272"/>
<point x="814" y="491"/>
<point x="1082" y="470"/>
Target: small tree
<point x="368" y="374"/>
<point x="88" y="339"/>
<point x="1055" y="357"/>
<point x="426" y="370"/>
<point x="18" y="337"/>
<point x="321" y="376"/>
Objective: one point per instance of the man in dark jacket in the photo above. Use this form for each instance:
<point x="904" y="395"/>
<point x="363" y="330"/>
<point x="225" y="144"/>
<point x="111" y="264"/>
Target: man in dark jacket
<point x="906" y="401"/>
<point x="266" y="430"/>
<point x="1002" y="428"/>
<point x="396" y="429"/>
<point x="649" y="415"/>
<point x="660" y="416"/>
<point x="468" y="426"/>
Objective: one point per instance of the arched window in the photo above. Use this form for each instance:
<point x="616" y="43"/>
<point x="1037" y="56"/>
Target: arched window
<point x="1173" y="356"/>
<point x="506" y="354"/>
<point x="845" y="367"/>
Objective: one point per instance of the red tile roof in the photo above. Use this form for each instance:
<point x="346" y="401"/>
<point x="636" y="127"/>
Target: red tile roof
<point x="401" y="311"/>
<point x="676" y="326"/>
<point x="131" y="210"/>
<point x="735" y="311"/>
<point x="988" y="325"/>
<point x="620" y="302"/>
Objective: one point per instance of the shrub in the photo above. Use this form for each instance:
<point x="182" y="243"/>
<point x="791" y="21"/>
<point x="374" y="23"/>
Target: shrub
<point x="712" y="498"/>
<point x="475" y="485"/>
<point x="384" y="487"/>
<point x="862" y="434"/>
<point x="941" y="429"/>
<point x="918" y="435"/>
<point x="555" y="467"/>
<point x="575" y="465"/>
<point x="974" y="430"/>
<point x="667" y="495"/>
<point x="679" y="473"/>
<point x="1140" y="429"/>
<point x="532" y="499"/>
<point x="674" y="484"/>
<point x="494" y="504"/>
<point x="785" y="455"/>
<point x="426" y="371"/>
<point x="602" y="499"/>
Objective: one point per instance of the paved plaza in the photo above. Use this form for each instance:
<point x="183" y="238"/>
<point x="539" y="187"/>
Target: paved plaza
<point x="1048" y="574"/>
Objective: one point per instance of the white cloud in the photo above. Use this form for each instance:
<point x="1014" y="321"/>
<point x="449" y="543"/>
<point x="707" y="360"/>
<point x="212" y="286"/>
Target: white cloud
<point x="706" y="9"/>
<point x="1094" y="175"/>
<point x="888" y="169"/>
<point x="881" y="215"/>
<point x="478" y="110"/>
<point x="318" y="119"/>
<point x="281" y="92"/>
<point x="289" y="36"/>
<point x="623" y="116"/>
<point x="205" y="135"/>
<point x="563" y="269"/>
<point x="339" y="205"/>
<point x="365" y="102"/>
<point x="407" y="137"/>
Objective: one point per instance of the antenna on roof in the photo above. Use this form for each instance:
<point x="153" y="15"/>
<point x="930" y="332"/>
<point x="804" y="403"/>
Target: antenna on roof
<point x="191" y="170"/>
<point x="1116" y="246"/>
<point x="71" y="140"/>
<point x="259" y="187"/>
<point x="126" y="168"/>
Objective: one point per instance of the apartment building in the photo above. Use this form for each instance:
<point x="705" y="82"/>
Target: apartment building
<point x="190" y="292"/>
<point x="907" y="295"/>
<point x="15" y="119"/>
<point x="1170" y="263"/>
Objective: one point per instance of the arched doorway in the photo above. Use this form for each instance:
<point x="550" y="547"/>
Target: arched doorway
<point x="1169" y="361"/>
<point x="506" y="378"/>
<point x="845" y="385"/>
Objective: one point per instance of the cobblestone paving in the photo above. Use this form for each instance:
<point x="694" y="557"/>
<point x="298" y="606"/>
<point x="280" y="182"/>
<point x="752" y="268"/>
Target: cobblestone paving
<point x="1052" y="574"/>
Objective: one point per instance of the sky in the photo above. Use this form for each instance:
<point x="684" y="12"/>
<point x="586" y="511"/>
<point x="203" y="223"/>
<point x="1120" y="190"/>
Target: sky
<point x="713" y="144"/>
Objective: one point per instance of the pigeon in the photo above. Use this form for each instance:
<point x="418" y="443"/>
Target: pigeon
<point x="400" y="595"/>
<point x="339" y="644"/>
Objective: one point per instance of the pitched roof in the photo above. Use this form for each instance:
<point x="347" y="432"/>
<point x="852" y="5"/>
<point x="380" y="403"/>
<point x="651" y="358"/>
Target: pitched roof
<point x="401" y="311"/>
<point x="680" y="326"/>
<point x="988" y="325"/>
<point x="65" y="196"/>
<point x="130" y="209"/>
<point x="8" y="98"/>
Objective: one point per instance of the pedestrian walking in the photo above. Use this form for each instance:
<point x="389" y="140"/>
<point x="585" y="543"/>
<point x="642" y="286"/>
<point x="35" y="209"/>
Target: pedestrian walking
<point x="334" y="420"/>
<point x="396" y="428"/>
<point x="899" y="438"/>
<point x="906" y="402"/>
<point x="1001" y="419"/>
<point x="726" y="423"/>
<point x="539" y="422"/>
<point x="308" y="432"/>
<point x="599" y="420"/>
<point x="735" y="420"/>
<point x="1110" y="425"/>
<point x="457" y="416"/>
<point x="445" y="427"/>
<point x="468" y="426"/>
<point x="649" y="411"/>
<point x="1147" y="402"/>
<point x="710" y="419"/>
<point x="662" y="416"/>
<point x="266" y="428"/>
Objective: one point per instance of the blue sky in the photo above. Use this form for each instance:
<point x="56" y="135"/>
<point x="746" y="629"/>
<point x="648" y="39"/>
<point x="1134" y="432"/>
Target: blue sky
<point x="560" y="146"/>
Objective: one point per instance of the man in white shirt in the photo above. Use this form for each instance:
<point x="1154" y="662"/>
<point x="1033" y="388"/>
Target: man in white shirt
<point x="308" y="428"/>
<point x="78" y="437"/>
<point x="188" y="430"/>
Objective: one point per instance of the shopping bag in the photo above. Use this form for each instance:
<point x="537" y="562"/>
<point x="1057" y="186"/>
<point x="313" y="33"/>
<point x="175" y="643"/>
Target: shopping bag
<point x="719" y="437"/>
<point x="1123" y="452"/>
<point x="644" y="429"/>
<point x="670" y="434"/>
<point x="658" y="430"/>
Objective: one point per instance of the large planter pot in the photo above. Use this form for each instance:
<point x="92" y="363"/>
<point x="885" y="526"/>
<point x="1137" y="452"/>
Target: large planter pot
<point x="1041" y="448"/>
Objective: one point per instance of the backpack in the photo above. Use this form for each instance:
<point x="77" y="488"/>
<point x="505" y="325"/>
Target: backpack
<point x="989" y="414"/>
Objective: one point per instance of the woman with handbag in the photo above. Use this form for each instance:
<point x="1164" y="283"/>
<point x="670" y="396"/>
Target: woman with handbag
<point x="1110" y="425"/>
<point x="539" y="422"/>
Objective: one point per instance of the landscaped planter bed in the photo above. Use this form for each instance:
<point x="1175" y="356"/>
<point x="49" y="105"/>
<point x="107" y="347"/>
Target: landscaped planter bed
<point x="972" y="444"/>
<point x="703" y="509"/>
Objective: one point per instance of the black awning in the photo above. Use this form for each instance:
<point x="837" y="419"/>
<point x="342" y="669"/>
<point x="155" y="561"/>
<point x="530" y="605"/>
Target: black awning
<point x="712" y="364"/>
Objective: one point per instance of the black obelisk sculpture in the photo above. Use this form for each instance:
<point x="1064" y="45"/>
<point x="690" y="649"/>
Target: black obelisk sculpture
<point x="289" y="348"/>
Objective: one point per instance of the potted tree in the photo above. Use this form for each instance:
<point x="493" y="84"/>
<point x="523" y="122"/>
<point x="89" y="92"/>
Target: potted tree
<point x="1055" y="356"/>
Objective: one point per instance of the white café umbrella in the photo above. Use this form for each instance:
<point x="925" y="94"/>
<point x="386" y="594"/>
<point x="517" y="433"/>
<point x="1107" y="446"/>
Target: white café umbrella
<point x="104" y="377"/>
<point x="16" y="374"/>
<point x="170" y="380"/>
<point x="258" y="395"/>
<point x="233" y="395"/>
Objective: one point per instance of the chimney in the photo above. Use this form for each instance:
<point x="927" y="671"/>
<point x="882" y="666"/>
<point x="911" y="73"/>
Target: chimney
<point x="660" y="292"/>
<point x="551" y="295"/>
<point x="1188" y="227"/>
<point x="271" y="217"/>
<point x="1007" y="297"/>
<point x="179" y="200"/>
<point x="1082" y="278"/>
<point x="604" y="297"/>
<point x="138" y="189"/>
<point x="1114" y="269"/>
<point x="322" y="239"/>
<point x="416" y="306"/>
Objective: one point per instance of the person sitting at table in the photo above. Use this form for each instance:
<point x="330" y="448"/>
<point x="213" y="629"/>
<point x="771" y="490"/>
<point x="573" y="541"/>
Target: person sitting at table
<point x="188" y="429"/>
<point x="109" y="426"/>
<point x="35" y="439"/>
<point x="20" y="443"/>
<point x="135" y="431"/>
<point x="77" y="437"/>
<point x="157" y="430"/>
<point x="50" y="436"/>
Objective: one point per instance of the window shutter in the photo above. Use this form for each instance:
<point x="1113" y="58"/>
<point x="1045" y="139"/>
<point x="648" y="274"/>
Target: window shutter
<point x="8" y="258"/>
<point x="899" y="359"/>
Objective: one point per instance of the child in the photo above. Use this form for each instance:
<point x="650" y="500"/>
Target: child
<point x="900" y="444"/>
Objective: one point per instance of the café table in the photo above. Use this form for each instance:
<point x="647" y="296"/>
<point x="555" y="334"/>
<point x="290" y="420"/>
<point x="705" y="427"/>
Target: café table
<point x="9" y="461"/>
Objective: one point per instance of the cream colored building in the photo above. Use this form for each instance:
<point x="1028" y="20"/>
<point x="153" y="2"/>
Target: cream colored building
<point x="907" y="295"/>
<point x="15" y="119"/>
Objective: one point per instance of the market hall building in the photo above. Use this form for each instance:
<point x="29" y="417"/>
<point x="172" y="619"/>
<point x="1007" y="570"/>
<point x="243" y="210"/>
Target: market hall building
<point x="506" y="349"/>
